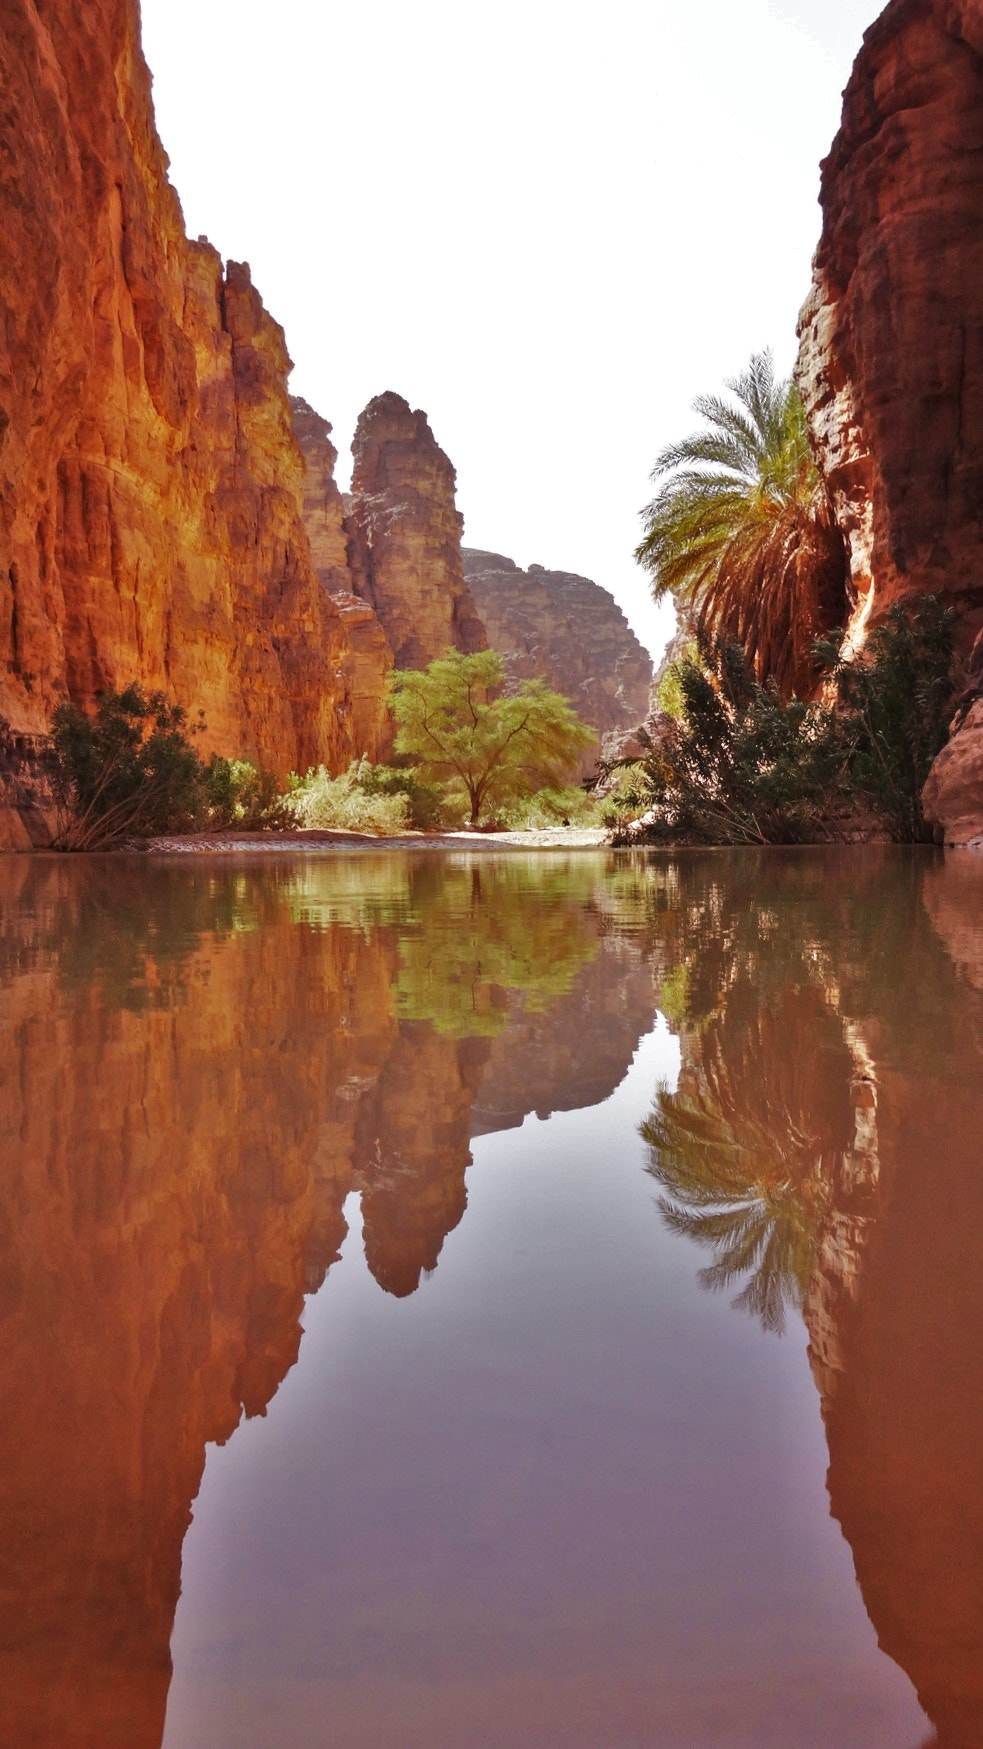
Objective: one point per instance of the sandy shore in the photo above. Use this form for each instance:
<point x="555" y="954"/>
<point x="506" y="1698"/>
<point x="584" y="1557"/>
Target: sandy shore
<point x="308" y="839"/>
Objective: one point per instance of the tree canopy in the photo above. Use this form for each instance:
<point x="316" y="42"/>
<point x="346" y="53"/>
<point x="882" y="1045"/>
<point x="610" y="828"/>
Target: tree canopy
<point x="741" y="529"/>
<point x="458" y="726"/>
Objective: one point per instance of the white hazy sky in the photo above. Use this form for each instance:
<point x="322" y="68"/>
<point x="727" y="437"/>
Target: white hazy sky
<point x="547" y="222"/>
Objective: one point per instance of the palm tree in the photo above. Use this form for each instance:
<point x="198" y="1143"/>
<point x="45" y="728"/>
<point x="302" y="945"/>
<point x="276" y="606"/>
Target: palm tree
<point x="741" y="529"/>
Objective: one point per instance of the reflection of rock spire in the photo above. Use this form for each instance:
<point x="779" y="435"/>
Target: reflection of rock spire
<point x="414" y="1151"/>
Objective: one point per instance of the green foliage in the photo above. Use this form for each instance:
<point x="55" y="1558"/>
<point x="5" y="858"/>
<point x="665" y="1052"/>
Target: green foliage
<point x="895" y="702"/>
<point x="741" y="766"/>
<point x="669" y="695"/>
<point x="454" y="721"/>
<point x="346" y="803"/>
<point x="238" y="795"/>
<point x="741" y="529"/>
<point x="569" y="806"/>
<point x="484" y="936"/>
<point x="129" y="770"/>
<point x="424" y="801"/>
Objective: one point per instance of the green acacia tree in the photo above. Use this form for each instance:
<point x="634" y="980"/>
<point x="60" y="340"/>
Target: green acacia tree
<point x="454" y="721"/>
<point x="741" y="530"/>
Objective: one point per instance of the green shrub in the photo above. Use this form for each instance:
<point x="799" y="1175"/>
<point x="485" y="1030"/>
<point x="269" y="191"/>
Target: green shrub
<point x="742" y="767"/>
<point x="568" y="806"/>
<point x="129" y="770"/>
<point x="894" y="708"/>
<point x="344" y="804"/>
<point x="238" y="795"/>
<point x="739" y="767"/>
<point x="669" y="694"/>
<point x="424" y="801"/>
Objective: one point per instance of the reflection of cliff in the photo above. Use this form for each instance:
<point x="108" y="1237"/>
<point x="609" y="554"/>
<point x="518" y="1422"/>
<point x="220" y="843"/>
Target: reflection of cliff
<point x="414" y="1153"/>
<point x="197" y="1067"/>
<point x="574" y="1055"/>
<point x="900" y="1385"/>
<point x="823" y="1145"/>
<point x="160" y="1102"/>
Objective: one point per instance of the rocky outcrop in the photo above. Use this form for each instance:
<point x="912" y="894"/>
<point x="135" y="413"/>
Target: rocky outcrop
<point x="891" y="363"/>
<point x="405" y="529"/>
<point x="366" y="659"/>
<point x="150" y="485"/>
<point x="568" y="631"/>
<point x="891" y="359"/>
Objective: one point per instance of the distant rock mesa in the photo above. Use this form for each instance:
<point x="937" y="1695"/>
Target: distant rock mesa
<point x="568" y="631"/>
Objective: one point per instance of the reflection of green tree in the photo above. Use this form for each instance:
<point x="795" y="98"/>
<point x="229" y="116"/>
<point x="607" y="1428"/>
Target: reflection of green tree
<point x="483" y="929"/>
<point x="746" y="1150"/>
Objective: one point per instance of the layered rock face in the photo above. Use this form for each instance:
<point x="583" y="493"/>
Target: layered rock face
<point x="568" y="631"/>
<point x="891" y="359"/>
<point x="366" y="661"/>
<point x="405" y="532"/>
<point x="150" y="485"/>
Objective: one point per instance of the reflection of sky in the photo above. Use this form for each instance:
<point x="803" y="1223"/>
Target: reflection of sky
<point x="559" y="1496"/>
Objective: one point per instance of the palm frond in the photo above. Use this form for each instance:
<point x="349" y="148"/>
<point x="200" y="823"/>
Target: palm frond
<point x="742" y="530"/>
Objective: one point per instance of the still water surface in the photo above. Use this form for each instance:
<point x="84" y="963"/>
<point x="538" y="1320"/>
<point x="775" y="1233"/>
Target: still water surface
<point x="501" y="1301"/>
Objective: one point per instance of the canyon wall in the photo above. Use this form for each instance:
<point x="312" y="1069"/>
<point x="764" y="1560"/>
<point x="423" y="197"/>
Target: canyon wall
<point x="150" y="484"/>
<point x="891" y="359"/>
<point x="568" y="631"/>
<point x="405" y="535"/>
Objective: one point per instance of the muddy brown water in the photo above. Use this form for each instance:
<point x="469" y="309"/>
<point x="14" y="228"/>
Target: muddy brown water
<point x="454" y="1300"/>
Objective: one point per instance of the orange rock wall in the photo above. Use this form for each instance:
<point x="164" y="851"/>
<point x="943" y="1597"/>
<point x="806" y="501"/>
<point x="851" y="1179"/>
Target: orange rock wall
<point x="150" y="484"/>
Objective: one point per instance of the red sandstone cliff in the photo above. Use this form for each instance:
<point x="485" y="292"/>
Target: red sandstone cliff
<point x="891" y="359"/>
<point x="150" y="484"/>
<point x="568" y="631"/>
<point x="405" y="532"/>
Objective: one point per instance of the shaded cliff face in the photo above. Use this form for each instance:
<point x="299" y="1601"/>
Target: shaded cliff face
<point x="891" y="363"/>
<point x="891" y="358"/>
<point x="406" y="536"/>
<point x="150" y="484"/>
<point x="365" y="663"/>
<point x="568" y="631"/>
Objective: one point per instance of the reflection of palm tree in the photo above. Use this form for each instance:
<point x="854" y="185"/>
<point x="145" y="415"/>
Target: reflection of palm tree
<point x="746" y="1149"/>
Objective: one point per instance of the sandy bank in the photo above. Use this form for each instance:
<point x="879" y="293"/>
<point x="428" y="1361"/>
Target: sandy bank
<point x="308" y="839"/>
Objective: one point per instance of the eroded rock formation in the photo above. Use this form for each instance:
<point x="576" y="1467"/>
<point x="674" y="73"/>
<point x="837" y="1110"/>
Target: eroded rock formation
<point x="891" y="360"/>
<point x="150" y="485"/>
<point x="568" y="631"/>
<point x="405" y="530"/>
